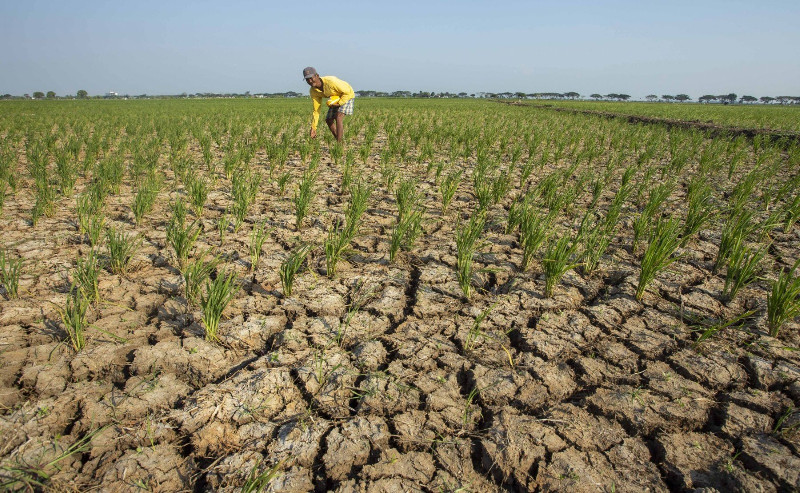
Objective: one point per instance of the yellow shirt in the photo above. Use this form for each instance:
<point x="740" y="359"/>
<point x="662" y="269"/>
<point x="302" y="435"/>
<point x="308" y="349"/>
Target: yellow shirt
<point x="331" y="86"/>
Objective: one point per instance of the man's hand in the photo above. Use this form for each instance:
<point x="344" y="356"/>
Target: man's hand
<point x="313" y="133"/>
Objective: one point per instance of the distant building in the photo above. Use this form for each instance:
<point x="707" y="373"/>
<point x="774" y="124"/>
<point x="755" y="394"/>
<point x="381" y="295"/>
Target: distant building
<point x="111" y="94"/>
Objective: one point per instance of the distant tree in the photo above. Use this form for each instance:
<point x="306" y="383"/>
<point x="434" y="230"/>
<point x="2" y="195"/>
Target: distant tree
<point x="747" y="99"/>
<point x="707" y="98"/>
<point x="727" y="98"/>
<point x="624" y="97"/>
<point x="38" y="94"/>
<point x="82" y="94"/>
<point x="51" y="94"/>
<point x="462" y="94"/>
<point x="612" y="96"/>
<point x="572" y="95"/>
<point x="785" y="99"/>
<point x="651" y="97"/>
<point x="682" y="98"/>
<point x="26" y="96"/>
<point x="766" y="99"/>
<point x="667" y="97"/>
<point x="596" y="96"/>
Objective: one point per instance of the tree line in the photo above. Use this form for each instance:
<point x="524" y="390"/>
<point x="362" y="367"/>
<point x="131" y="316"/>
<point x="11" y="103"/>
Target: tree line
<point x="681" y="98"/>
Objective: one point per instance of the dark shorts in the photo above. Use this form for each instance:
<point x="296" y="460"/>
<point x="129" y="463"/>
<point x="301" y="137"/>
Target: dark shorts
<point x="346" y="109"/>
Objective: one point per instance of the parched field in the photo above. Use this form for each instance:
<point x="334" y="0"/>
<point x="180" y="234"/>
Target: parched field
<point x="465" y="296"/>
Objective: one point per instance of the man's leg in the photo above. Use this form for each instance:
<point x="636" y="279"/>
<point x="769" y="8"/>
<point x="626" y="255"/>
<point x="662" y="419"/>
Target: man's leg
<point x="332" y="125"/>
<point x="339" y="126"/>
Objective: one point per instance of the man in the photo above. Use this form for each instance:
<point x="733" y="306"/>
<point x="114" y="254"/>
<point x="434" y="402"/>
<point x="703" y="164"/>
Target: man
<point x="326" y="87"/>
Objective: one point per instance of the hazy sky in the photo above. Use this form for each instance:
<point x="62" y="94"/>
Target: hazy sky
<point x="634" y="47"/>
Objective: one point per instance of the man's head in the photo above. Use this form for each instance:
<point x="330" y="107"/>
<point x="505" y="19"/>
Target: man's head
<point x="312" y="77"/>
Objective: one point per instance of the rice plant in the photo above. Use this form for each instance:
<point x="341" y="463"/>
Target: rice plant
<point x="448" y="188"/>
<point x="743" y="267"/>
<point x="534" y="227"/>
<point x="121" y="249"/>
<point x="145" y="198"/>
<point x="737" y="228"/>
<point x="664" y="240"/>
<point x="466" y="237"/>
<point x="642" y="224"/>
<point x="244" y="189"/>
<point x="219" y="292"/>
<point x="407" y="196"/>
<point x="405" y="233"/>
<point x="182" y="237"/>
<point x="790" y="211"/>
<point x="360" y="193"/>
<point x="86" y="276"/>
<point x="73" y="315"/>
<point x="291" y="266"/>
<point x="282" y="181"/>
<point x="783" y="301"/>
<point x="10" y="271"/>
<point x="304" y="195"/>
<point x="557" y="260"/>
<point x="197" y="188"/>
<point x="700" y="208"/>
<point x="596" y="240"/>
<point x="259" y="479"/>
<point x="258" y="236"/>
<point x="195" y="274"/>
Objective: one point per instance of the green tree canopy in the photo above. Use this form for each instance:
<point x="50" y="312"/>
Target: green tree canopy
<point x="82" y="94"/>
<point x="38" y="94"/>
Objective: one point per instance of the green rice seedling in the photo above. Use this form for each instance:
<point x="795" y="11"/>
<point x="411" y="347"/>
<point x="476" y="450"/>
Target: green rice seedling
<point x="335" y="246"/>
<point x="196" y="273"/>
<point x="219" y="292"/>
<point x="44" y="204"/>
<point x="475" y="330"/>
<point x="34" y="472"/>
<point x="74" y="318"/>
<point x="3" y="191"/>
<point x="405" y="233"/>
<point x="525" y="172"/>
<point x="259" y="479"/>
<point x="223" y="223"/>
<point x="790" y="212"/>
<point x="348" y="166"/>
<point x="303" y="196"/>
<point x="67" y="171"/>
<point x="291" y="266"/>
<point x="121" y="249"/>
<point x="783" y="301"/>
<point x="700" y="208"/>
<point x="448" y="188"/>
<point x="557" y="260"/>
<point x="534" y="228"/>
<point x="181" y="238"/>
<point x="745" y="189"/>
<point x="642" y="224"/>
<point x="596" y="240"/>
<point x="388" y="170"/>
<point x="283" y="180"/>
<point x="10" y="271"/>
<point x="197" y="188"/>
<point x="86" y="276"/>
<point x="708" y="330"/>
<point x="244" y="189"/>
<point x="407" y="196"/>
<point x="500" y="186"/>
<point x="737" y="228"/>
<point x="664" y="240"/>
<point x="258" y="236"/>
<point x="360" y="194"/>
<point x="742" y="268"/>
<point x="94" y="229"/>
<point x="466" y="238"/>
<point x="145" y="198"/>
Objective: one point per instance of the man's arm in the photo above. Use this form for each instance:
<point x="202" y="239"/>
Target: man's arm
<point x="316" y="103"/>
<point x="341" y="88"/>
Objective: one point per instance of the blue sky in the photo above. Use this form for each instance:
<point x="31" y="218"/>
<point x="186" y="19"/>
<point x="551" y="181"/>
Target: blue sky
<point x="624" y="46"/>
